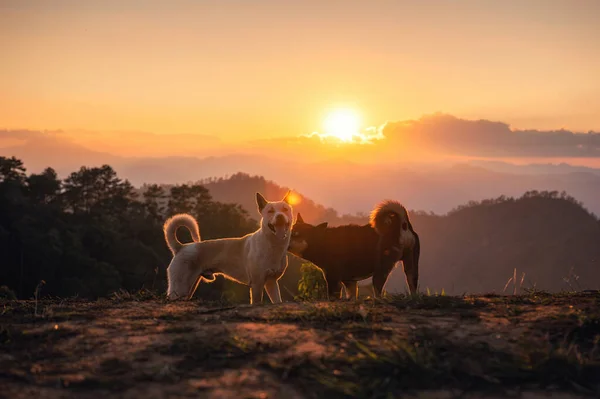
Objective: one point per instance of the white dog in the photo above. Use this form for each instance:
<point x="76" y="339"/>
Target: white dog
<point x="258" y="259"/>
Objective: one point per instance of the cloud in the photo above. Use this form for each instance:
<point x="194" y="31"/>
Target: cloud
<point x="484" y="138"/>
<point x="430" y="138"/>
<point x="435" y="138"/>
<point x="368" y="136"/>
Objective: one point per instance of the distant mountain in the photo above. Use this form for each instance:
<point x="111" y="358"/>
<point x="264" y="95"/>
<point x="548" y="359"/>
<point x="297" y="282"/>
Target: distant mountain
<point x="240" y="188"/>
<point x="63" y="155"/>
<point x="345" y="185"/>
<point x="187" y="169"/>
<point x="438" y="190"/>
<point x="476" y="248"/>
<point x="533" y="168"/>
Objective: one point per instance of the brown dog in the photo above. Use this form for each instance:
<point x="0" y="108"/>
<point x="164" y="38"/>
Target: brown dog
<point x="350" y="253"/>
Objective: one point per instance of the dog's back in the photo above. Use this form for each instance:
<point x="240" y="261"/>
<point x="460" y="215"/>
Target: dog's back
<point x="348" y="252"/>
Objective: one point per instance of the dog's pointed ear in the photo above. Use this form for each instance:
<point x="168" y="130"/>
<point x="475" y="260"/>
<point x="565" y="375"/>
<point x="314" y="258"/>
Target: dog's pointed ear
<point x="286" y="199"/>
<point x="322" y="225"/>
<point x="261" y="202"/>
<point x="299" y="218"/>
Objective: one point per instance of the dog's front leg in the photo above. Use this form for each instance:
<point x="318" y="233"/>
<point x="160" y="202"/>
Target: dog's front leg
<point x="256" y="291"/>
<point x="411" y="270"/>
<point x="272" y="287"/>
<point x="351" y="289"/>
<point x="334" y="287"/>
<point x="379" y="279"/>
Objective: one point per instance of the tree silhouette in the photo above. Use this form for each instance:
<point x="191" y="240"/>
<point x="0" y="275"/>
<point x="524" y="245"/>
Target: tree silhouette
<point x="12" y="170"/>
<point x="45" y="188"/>
<point x="91" y="234"/>
<point x="93" y="190"/>
<point x="154" y="196"/>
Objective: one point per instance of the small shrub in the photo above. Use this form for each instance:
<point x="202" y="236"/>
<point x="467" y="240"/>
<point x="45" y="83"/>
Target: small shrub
<point x="312" y="284"/>
<point x="7" y="293"/>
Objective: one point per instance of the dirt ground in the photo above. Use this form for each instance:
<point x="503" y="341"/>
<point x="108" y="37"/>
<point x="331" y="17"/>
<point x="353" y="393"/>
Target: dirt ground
<point x="531" y="346"/>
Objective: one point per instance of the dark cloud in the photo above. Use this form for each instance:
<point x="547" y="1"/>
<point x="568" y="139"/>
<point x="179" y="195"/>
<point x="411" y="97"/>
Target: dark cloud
<point x="449" y="134"/>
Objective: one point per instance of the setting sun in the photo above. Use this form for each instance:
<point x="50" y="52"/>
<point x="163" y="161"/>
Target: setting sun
<point x="293" y="198"/>
<point x="343" y="124"/>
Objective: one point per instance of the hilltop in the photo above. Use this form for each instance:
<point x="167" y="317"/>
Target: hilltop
<point x="426" y="347"/>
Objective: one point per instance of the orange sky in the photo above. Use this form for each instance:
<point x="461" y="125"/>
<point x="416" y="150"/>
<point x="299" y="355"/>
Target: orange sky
<point x="250" y="69"/>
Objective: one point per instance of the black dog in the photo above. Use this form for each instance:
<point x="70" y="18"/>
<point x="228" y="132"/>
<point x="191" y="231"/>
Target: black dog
<point x="350" y="253"/>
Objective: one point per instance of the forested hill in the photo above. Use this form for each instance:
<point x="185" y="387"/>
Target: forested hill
<point x="92" y="234"/>
<point x="549" y="237"/>
<point x="240" y="188"/>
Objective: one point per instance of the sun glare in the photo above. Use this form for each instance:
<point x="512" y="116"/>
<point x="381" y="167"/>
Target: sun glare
<point x="293" y="198"/>
<point x="343" y="124"/>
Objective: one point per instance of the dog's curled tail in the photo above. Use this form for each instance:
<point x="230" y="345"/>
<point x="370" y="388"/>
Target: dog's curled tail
<point x="170" y="229"/>
<point x="387" y="216"/>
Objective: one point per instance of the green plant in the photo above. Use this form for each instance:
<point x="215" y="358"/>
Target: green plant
<point x="7" y="293"/>
<point x="312" y="284"/>
<point x="430" y="293"/>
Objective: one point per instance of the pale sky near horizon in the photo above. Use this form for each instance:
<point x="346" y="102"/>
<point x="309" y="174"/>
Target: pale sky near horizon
<point x="251" y="69"/>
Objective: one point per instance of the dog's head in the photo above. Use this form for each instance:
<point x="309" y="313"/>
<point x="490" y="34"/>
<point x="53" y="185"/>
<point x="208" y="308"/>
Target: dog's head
<point x="276" y="216"/>
<point x="302" y="234"/>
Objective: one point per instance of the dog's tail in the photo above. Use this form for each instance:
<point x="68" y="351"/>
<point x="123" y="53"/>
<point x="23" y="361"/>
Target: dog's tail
<point x="388" y="216"/>
<point x="170" y="229"/>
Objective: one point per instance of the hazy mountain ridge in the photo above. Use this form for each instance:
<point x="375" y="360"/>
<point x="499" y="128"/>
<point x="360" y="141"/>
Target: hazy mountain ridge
<point x="534" y="168"/>
<point x="345" y="184"/>
<point x="547" y="236"/>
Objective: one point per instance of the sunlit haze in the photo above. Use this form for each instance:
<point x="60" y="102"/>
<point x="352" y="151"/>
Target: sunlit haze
<point x="311" y="94"/>
<point x="243" y="70"/>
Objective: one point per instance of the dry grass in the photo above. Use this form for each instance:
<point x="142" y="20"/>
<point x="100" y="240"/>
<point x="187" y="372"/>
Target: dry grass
<point x="142" y="345"/>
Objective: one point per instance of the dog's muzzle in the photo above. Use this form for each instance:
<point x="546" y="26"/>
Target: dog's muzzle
<point x="280" y="228"/>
